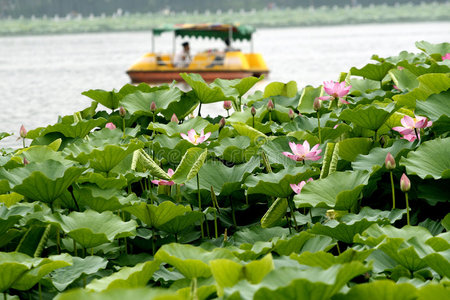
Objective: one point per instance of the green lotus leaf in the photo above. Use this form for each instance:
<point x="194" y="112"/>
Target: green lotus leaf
<point x="368" y="116"/>
<point x="326" y="260"/>
<point x="137" y="276"/>
<point x="350" y="148"/>
<point x="44" y="181"/>
<point x="63" y="277"/>
<point x="433" y="291"/>
<point x="103" y="182"/>
<point x="22" y="272"/>
<point x="235" y="150"/>
<point x="408" y="247"/>
<point x="4" y="135"/>
<point x="242" y="86"/>
<point x="301" y="242"/>
<point x="434" y="106"/>
<point x="205" y="93"/>
<point x="10" y="216"/>
<point x="10" y="199"/>
<point x="156" y="216"/>
<point x="223" y="179"/>
<point x="139" y="102"/>
<point x="171" y="148"/>
<point x="91" y="228"/>
<point x="120" y="294"/>
<point x="309" y="94"/>
<point x="98" y="199"/>
<point x="421" y="68"/>
<point x="278" y="184"/>
<point x="430" y="160"/>
<point x="404" y="79"/>
<point x="428" y="84"/>
<point x="281" y="89"/>
<point x="446" y="222"/>
<point x="192" y="262"/>
<point x="183" y="222"/>
<point x="376" y="157"/>
<point x="381" y="289"/>
<point x="339" y="190"/>
<point x="362" y="86"/>
<point x="69" y="129"/>
<point x="295" y="283"/>
<point x="428" y="48"/>
<point x="41" y="267"/>
<point x="227" y="273"/>
<point x="107" y="99"/>
<point x="172" y="129"/>
<point x="143" y="162"/>
<point x="250" y="132"/>
<point x="372" y="71"/>
<point x="351" y="224"/>
<point x="252" y="235"/>
<point x="190" y="165"/>
<point x="275" y="213"/>
<point x="104" y="150"/>
<point x="186" y="105"/>
<point x="41" y="153"/>
<point x="333" y="134"/>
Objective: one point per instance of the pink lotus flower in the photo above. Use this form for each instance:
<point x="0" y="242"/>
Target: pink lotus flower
<point x="405" y="183"/>
<point x="23" y="132"/>
<point x="165" y="182"/>
<point x="302" y="152"/>
<point x="110" y="125"/>
<point x="195" y="138"/>
<point x="297" y="188"/>
<point x="446" y="56"/>
<point x="174" y="119"/>
<point x="335" y="90"/>
<point x="410" y="125"/>
<point x="227" y="105"/>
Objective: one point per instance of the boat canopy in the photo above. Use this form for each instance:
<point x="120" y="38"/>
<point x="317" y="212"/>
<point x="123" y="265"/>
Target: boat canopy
<point x="216" y="31"/>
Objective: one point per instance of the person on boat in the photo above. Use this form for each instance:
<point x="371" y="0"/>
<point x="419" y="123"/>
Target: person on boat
<point x="183" y="59"/>
<point x="228" y="47"/>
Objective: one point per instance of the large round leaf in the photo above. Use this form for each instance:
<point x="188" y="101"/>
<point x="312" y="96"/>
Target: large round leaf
<point x="430" y="160"/>
<point x="139" y="102"/>
<point x="91" y="229"/>
<point x="368" y="116"/>
<point x="340" y="190"/>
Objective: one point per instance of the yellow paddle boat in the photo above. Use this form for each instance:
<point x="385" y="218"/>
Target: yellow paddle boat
<point x="228" y="64"/>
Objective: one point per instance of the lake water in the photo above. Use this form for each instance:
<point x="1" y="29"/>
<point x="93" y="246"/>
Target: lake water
<point x="42" y="77"/>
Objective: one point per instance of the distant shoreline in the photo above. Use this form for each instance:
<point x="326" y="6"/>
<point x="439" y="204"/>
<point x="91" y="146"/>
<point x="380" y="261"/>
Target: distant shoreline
<point x="303" y="17"/>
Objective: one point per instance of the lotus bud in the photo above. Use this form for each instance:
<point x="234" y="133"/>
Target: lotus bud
<point x="222" y="123"/>
<point x="253" y="111"/>
<point x="331" y="214"/>
<point x="389" y="162"/>
<point x="122" y="112"/>
<point x="317" y="104"/>
<point x="23" y="132"/>
<point x="153" y="107"/>
<point x="110" y="125"/>
<point x="405" y="184"/>
<point x="25" y="161"/>
<point x="174" y="119"/>
<point x="270" y="105"/>
<point x="227" y="105"/>
<point x="291" y="114"/>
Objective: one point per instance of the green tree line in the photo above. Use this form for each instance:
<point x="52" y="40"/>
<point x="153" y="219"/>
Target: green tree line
<point x="39" y="8"/>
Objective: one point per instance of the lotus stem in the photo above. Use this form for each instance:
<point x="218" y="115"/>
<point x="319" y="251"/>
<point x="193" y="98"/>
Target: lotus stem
<point x="74" y="247"/>
<point x="407" y="209"/>
<point x="292" y="208"/>
<point x="92" y="251"/>
<point x="40" y="290"/>
<point x="393" y="191"/>
<point x="233" y="212"/>
<point x="207" y="228"/>
<point x="200" y="205"/>
<point x="58" y="241"/>
<point x="337" y="246"/>
<point x="417" y="134"/>
<point x="176" y="237"/>
<point x="194" y="294"/>
<point x="4" y="296"/>
<point x="318" y="127"/>
<point x="199" y="109"/>
<point x="215" y="225"/>
<point x="253" y="121"/>
<point x="23" y="142"/>
<point x="123" y="127"/>
<point x="178" y="193"/>
<point x="270" y="117"/>
<point x="83" y="251"/>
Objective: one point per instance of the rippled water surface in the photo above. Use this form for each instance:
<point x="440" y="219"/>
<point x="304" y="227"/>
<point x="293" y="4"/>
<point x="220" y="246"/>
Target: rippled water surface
<point x="42" y="77"/>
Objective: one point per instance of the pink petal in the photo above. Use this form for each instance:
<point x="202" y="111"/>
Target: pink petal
<point x="343" y="101"/>
<point x="185" y="137"/>
<point x="291" y="156"/>
<point x="191" y="135"/>
<point x="421" y="122"/>
<point x="155" y="182"/>
<point x="326" y="98"/>
<point x="293" y="147"/>
<point x="407" y="121"/>
<point x="295" y="188"/>
<point x="316" y="146"/>
<point x="207" y="135"/>
<point x="170" y="172"/>
<point x="410" y="137"/>
<point x="200" y="140"/>
<point x="403" y="130"/>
